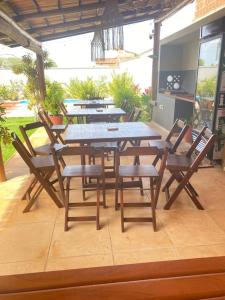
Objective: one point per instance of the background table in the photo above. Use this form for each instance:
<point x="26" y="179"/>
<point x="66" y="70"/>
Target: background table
<point x="103" y="114"/>
<point x="94" y="103"/>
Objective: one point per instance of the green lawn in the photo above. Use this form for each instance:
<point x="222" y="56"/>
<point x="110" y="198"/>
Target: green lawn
<point x="13" y="125"/>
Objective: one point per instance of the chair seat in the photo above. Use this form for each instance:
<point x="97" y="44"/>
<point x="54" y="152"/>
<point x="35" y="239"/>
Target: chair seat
<point x="59" y="128"/>
<point x="105" y="145"/>
<point x="178" y="162"/>
<point x="138" y="171"/>
<point x="160" y="144"/>
<point x="46" y="149"/>
<point x="82" y="171"/>
<point x="43" y="162"/>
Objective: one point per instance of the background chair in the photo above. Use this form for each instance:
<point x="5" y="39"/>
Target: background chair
<point x="40" y="150"/>
<point x="140" y="171"/>
<point x="177" y="133"/>
<point x="182" y="167"/>
<point x="58" y="130"/>
<point x="82" y="171"/>
<point x="65" y="112"/>
<point x="42" y="167"/>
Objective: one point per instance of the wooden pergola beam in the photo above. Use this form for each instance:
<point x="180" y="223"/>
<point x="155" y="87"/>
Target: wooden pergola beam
<point x="88" y="30"/>
<point x="88" y="20"/>
<point x="9" y="28"/>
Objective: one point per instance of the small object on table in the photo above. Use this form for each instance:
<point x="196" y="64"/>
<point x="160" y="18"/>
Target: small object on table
<point x="112" y="128"/>
<point x="99" y="109"/>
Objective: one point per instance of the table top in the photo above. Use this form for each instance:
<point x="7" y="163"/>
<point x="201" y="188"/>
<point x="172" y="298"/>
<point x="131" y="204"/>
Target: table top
<point x="97" y="102"/>
<point x="87" y="133"/>
<point x="83" y="112"/>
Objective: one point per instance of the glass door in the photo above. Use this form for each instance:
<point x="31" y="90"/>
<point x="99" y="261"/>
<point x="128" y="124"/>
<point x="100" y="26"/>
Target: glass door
<point x="206" y="89"/>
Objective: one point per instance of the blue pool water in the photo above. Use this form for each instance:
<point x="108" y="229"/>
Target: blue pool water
<point x="25" y="101"/>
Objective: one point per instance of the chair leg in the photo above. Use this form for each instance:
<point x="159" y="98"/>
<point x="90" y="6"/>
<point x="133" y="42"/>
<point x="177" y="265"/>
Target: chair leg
<point x="83" y="190"/>
<point x="98" y="205"/>
<point x="153" y="203"/>
<point x="122" y="206"/>
<point x="116" y="193"/>
<point x="157" y="158"/>
<point x="67" y="204"/>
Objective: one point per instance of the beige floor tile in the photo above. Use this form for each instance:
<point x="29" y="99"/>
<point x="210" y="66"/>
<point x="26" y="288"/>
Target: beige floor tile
<point x="44" y="210"/>
<point x="23" y="242"/>
<point x="191" y="227"/>
<point x="22" y="267"/>
<point x="87" y="261"/>
<point x="147" y="255"/>
<point x="200" y="251"/>
<point x="218" y="216"/>
<point x="136" y="236"/>
<point x="81" y="239"/>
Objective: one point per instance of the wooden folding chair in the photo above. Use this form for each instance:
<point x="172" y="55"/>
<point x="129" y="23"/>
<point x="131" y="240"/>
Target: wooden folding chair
<point x="64" y="111"/>
<point x="178" y="131"/>
<point x="42" y="167"/>
<point x="182" y="167"/>
<point x="58" y="130"/>
<point x="83" y="171"/>
<point x="41" y="150"/>
<point x="139" y="171"/>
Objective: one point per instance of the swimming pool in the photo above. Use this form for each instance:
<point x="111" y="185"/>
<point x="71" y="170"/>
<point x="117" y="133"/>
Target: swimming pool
<point x="69" y="100"/>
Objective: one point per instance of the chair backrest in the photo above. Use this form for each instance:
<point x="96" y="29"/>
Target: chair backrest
<point x="203" y="147"/>
<point x="134" y="115"/>
<point x="124" y="105"/>
<point x="27" y="127"/>
<point x="178" y="127"/>
<point x="16" y="139"/>
<point x="21" y="149"/>
<point x="197" y="140"/>
<point x="63" y="108"/>
<point x="43" y="115"/>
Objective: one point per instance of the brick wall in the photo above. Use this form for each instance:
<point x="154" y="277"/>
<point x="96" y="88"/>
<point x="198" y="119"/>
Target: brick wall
<point x="205" y="7"/>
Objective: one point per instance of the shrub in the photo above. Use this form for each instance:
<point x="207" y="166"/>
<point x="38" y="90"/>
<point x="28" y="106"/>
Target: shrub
<point x="88" y="89"/>
<point x="122" y="88"/>
<point x="54" y="96"/>
<point x="146" y="98"/>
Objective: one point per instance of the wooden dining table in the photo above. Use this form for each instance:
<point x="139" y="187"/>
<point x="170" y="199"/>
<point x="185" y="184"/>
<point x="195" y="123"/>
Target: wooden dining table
<point x="109" y="132"/>
<point x="133" y="132"/>
<point x="94" y="103"/>
<point x="107" y="114"/>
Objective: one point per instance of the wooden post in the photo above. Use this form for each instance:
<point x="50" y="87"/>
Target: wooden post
<point x="155" y="62"/>
<point x="41" y="76"/>
<point x="2" y="169"/>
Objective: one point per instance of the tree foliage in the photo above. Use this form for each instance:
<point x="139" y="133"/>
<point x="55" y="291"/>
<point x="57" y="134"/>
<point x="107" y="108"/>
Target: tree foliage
<point x="28" y="67"/>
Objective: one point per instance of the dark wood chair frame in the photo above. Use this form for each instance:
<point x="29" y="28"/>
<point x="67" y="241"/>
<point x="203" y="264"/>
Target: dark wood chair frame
<point x="172" y="147"/>
<point x="182" y="173"/>
<point x="65" y="181"/>
<point x="42" y="168"/>
<point x="155" y="180"/>
<point x="64" y="111"/>
<point x="58" y="130"/>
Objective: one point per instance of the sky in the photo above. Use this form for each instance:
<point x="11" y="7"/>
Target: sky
<point x="76" y="52"/>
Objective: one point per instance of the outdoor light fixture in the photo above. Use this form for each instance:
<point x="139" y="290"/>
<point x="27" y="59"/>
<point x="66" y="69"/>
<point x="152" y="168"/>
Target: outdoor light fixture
<point x="112" y="25"/>
<point x="97" y="46"/>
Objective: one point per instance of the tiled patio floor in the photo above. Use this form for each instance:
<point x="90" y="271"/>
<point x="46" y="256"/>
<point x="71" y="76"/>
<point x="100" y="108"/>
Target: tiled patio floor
<point x="36" y="241"/>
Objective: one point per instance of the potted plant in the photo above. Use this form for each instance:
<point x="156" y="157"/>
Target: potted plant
<point x="54" y="96"/>
<point x="188" y="134"/>
<point x="5" y="139"/>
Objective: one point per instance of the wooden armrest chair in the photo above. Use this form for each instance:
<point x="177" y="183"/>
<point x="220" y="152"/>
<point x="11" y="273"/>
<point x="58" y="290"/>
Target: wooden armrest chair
<point x="42" y="167"/>
<point x="64" y="111"/>
<point x="83" y="171"/>
<point x="139" y="171"/>
<point x="58" y="130"/>
<point x="44" y="149"/>
<point x="182" y="167"/>
<point x="179" y="128"/>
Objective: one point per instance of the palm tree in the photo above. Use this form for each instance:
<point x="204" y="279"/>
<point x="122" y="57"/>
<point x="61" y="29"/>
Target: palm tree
<point x="28" y="67"/>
